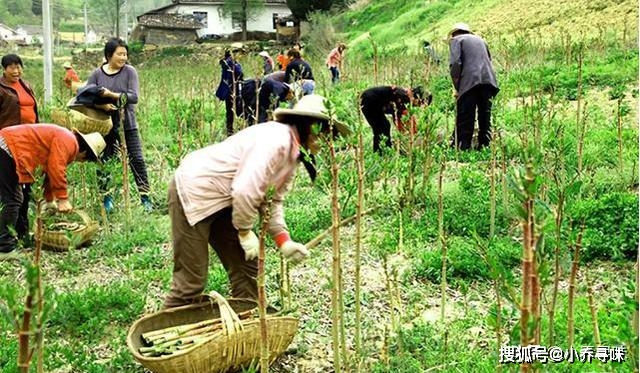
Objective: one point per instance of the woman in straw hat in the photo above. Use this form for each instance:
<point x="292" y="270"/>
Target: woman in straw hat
<point x="119" y="83"/>
<point x="218" y="191"/>
<point x="24" y="149"/>
<point x="70" y="75"/>
<point x="267" y="62"/>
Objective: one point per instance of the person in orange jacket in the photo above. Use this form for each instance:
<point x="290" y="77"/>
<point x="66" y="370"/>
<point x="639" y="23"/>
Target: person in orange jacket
<point x="70" y="75"/>
<point x="24" y="149"/>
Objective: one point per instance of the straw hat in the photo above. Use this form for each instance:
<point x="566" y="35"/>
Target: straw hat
<point x="312" y="106"/>
<point x="460" y="26"/>
<point x="67" y="65"/>
<point x="264" y="54"/>
<point x="95" y="141"/>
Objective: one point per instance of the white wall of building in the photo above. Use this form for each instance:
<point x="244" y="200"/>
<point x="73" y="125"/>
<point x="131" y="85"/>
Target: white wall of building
<point x="218" y="24"/>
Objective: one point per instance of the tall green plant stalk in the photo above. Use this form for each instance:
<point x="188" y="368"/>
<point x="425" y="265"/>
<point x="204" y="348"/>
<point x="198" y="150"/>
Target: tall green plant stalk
<point x="503" y="176"/>
<point x="374" y="46"/>
<point x="619" y="125"/>
<point x="572" y="286"/>
<point x="125" y="169"/>
<point x="530" y="302"/>
<point x="337" y="316"/>
<point x="594" y="313"/>
<point x="492" y="192"/>
<point x="559" y="216"/>
<point x="579" y="126"/>
<point x="443" y="242"/>
<point x="262" y="298"/>
<point x="359" y="149"/>
<point x="285" y="290"/>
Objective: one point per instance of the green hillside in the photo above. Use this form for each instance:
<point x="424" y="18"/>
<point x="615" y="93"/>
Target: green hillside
<point x="405" y="23"/>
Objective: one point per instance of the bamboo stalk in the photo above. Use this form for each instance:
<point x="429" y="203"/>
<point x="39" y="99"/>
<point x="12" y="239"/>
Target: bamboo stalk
<point x="594" y="314"/>
<point x="317" y="239"/>
<point x="528" y="259"/>
<point x="443" y="243"/>
<point x="335" y="288"/>
<point x="262" y="301"/>
<point x="125" y="169"/>
<point x="619" y="125"/>
<point x="492" y="192"/>
<point x="572" y="285"/>
<point x="557" y="268"/>
<point x="181" y="329"/>
<point x="358" y="221"/>
<point x="579" y="129"/>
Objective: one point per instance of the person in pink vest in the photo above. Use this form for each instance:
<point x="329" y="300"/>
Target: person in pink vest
<point x="334" y="61"/>
<point x="218" y="192"/>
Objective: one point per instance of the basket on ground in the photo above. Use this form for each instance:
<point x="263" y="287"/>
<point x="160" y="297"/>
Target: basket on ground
<point x="230" y="348"/>
<point x="64" y="236"/>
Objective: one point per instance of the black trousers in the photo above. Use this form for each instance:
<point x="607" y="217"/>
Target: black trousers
<point x="375" y="116"/>
<point x="136" y="159"/>
<point x="228" y="106"/>
<point x="13" y="204"/>
<point x="478" y="99"/>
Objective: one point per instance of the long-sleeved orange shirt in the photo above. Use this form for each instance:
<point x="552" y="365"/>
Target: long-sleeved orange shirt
<point x="46" y="146"/>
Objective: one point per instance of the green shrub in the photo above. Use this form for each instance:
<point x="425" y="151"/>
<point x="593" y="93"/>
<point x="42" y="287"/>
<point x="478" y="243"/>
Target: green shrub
<point x="611" y="226"/>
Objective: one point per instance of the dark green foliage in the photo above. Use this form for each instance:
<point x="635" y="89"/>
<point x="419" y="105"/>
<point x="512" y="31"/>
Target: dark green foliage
<point x="301" y="9"/>
<point x="464" y="261"/>
<point x="611" y="226"/>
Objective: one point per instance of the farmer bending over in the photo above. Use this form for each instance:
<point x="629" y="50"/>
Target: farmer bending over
<point x="218" y="191"/>
<point x="376" y="102"/>
<point x="25" y="148"/>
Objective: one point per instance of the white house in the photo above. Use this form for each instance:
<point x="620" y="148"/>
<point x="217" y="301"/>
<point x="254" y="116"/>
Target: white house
<point x="30" y="33"/>
<point x="11" y="35"/>
<point x="212" y="20"/>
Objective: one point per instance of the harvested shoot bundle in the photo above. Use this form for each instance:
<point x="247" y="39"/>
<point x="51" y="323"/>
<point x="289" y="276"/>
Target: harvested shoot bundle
<point x="181" y="337"/>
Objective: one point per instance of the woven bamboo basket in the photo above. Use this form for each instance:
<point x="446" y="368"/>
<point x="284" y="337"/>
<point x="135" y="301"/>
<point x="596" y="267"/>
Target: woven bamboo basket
<point x="60" y="117"/>
<point x="232" y="348"/>
<point x="87" y="120"/>
<point x="68" y="239"/>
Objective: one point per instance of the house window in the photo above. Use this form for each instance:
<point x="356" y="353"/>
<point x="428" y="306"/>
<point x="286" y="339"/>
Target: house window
<point x="236" y="20"/>
<point x="201" y="17"/>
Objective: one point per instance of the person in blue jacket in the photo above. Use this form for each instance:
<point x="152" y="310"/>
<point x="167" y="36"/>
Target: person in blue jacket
<point x="231" y="74"/>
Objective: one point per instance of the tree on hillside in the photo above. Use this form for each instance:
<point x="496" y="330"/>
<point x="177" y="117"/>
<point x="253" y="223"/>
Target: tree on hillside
<point x="107" y="12"/>
<point x="301" y="8"/>
<point x="241" y="11"/>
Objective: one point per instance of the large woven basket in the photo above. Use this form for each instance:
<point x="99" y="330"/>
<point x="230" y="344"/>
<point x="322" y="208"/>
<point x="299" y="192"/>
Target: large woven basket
<point x="230" y="349"/>
<point x="87" y="120"/>
<point x="64" y="240"/>
<point x="60" y="117"/>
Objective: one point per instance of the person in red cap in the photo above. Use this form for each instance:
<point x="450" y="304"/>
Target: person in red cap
<point x="26" y="148"/>
<point x="70" y="75"/>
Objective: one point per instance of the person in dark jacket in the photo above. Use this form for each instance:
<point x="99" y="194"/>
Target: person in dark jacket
<point x="264" y="95"/>
<point x="376" y="102"/>
<point x="18" y="105"/>
<point x="299" y="73"/>
<point x="231" y="74"/>
<point x="17" y="100"/>
<point x="118" y="82"/>
<point x="475" y="85"/>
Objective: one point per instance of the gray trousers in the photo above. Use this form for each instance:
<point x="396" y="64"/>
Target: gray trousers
<point x="191" y="255"/>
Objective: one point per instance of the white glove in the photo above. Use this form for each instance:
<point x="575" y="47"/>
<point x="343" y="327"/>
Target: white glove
<point x="294" y="252"/>
<point x="250" y="244"/>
